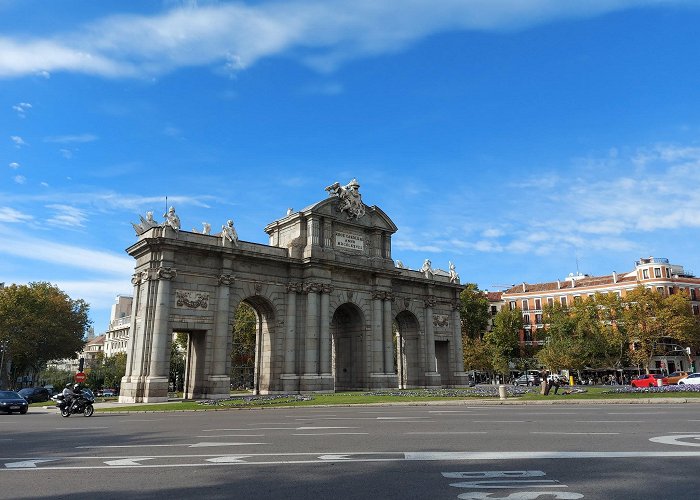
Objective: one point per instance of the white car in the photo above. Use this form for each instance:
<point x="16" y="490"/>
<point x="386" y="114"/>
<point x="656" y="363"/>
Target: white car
<point x="692" y="379"/>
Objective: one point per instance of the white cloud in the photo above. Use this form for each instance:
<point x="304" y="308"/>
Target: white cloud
<point x="8" y="214"/>
<point x="19" y="179"/>
<point x="492" y="233"/>
<point x="14" y="165"/>
<point x="66" y="215"/>
<point x="322" y="33"/>
<point x="67" y="139"/>
<point x="19" y="142"/>
<point x="73" y="257"/>
<point x="22" y="109"/>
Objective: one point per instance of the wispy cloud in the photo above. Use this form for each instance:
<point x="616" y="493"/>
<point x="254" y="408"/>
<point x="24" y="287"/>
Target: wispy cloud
<point x="14" y="165"/>
<point x="234" y="36"/>
<point x="22" y="108"/>
<point x="67" y="216"/>
<point x="8" y="214"/>
<point x="69" y="139"/>
<point x="19" y="142"/>
<point x="19" y="179"/>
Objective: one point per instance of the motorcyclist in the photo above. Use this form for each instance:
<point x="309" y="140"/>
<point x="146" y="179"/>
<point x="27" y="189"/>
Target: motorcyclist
<point x="77" y="394"/>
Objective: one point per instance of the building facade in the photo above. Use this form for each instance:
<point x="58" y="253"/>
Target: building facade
<point x="653" y="273"/>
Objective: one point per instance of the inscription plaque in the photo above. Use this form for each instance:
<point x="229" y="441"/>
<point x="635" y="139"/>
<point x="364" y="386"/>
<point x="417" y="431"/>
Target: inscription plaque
<point x="349" y="241"/>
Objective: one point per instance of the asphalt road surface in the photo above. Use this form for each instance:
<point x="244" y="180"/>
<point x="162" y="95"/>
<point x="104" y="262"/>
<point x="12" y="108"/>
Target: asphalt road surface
<point x="611" y="451"/>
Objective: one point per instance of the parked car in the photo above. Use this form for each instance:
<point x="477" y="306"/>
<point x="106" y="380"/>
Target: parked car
<point x="648" y="380"/>
<point x="11" y="401"/>
<point x="674" y="377"/>
<point x="692" y="379"/>
<point x="34" y="394"/>
<point x="527" y="379"/>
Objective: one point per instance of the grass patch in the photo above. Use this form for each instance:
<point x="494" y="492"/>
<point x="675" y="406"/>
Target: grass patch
<point x="246" y="400"/>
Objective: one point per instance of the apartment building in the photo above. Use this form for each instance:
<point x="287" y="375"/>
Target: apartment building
<point x="117" y="334"/>
<point x="652" y="272"/>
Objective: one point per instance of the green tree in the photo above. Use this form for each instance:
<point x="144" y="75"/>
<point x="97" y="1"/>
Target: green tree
<point x="477" y="354"/>
<point x="178" y="350"/>
<point x="652" y="320"/>
<point x="503" y="339"/>
<point x="473" y="311"/>
<point x="39" y="323"/>
<point x="243" y="346"/>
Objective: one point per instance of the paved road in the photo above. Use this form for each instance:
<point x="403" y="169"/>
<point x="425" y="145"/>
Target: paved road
<point x="518" y="452"/>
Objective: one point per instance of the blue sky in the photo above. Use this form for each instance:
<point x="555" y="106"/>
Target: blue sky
<point x="519" y="139"/>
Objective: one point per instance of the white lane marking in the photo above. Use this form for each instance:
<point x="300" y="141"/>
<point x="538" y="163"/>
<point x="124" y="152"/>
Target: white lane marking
<point x="189" y="445"/>
<point x="499" y="421"/>
<point x="334" y="434"/>
<point x="645" y="413"/>
<point x="334" y="457"/>
<point x="536" y="455"/>
<point x="321" y="428"/>
<point x="252" y="429"/>
<point x="127" y="461"/>
<point x="209" y="436"/>
<point x="510" y="483"/>
<point x="675" y="439"/>
<point x="229" y="459"/>
<point x="401" y="418"/>
<point x="448" y="432"/>
<point x="610" y="421"/>
<point x="28" y="464"/>
<point x="577" y="433"/>
<point x="81" y="429"/>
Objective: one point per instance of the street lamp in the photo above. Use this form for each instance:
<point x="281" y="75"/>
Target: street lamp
<point x="3" y="348"/>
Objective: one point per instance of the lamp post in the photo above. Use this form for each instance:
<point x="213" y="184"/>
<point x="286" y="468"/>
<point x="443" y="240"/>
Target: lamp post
<point x="3" y="348"/>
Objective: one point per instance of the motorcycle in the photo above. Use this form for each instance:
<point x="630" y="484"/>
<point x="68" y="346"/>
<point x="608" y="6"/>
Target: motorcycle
<point x="79" y="404"/>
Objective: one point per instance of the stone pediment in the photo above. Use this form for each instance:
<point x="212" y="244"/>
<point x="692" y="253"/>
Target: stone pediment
<point x="374" y="217"/>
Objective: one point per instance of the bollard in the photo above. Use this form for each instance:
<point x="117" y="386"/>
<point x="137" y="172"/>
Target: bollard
<point x="502" y="391"/>
<point x="659" y="382"/>
<point x="571" y="380"/>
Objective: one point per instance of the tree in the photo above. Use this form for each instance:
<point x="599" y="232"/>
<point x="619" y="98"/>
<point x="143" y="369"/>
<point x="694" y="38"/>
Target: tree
<point x="473" y="311"/>
<point x="477" y="355"/>
<point x="243" y="346"/>
<point x="178" y="348"/>
<point x="653" y="320"/>
<point x="503" y="339"/>
<point x="39" y="323"/>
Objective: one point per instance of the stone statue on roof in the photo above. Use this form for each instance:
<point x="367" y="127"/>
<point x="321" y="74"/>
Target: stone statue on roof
<point x="145" y="224"/>
<point x="171" y="219"/>
<point x="350" y="199"/>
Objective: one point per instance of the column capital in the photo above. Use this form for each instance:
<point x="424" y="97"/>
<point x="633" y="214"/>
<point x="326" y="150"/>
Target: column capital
<point x="136" y="278"/>
<point x="429" y="301"/>
<point x="227" y="279"/>
<point x="294" y="287"/>
<point x="311" y="287"/>
<point x="161" y="273"/>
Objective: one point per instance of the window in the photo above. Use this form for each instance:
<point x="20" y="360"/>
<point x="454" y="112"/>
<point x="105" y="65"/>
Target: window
<point x="696" y="309"/>
<point x="670" y="290"/>
<point x="525" y="307"/>
<point x="563" y="301"/>
<point x="512" y="305"/>
<point x="538" y="304"/>
<point x="550" y="301"/>
<point x="660" y="289"/>
<point x="538" y="319"/>
<point x="645" y="274"/>
<point x="528" y="336"/>
<point x="526" y="319"/>
<point x="494" y="310"/>
<point x="657" y="272"/>
<point x="692" y="294"/>
<point x="577" y="299"/>
<point x="668" y="272"/>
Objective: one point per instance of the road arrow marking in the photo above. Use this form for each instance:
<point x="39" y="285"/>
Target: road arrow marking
<point x="126" y="461"/>
<point x="334" y="457"/>
<point x="27" y="464"/>
<point x="230" y="459"/>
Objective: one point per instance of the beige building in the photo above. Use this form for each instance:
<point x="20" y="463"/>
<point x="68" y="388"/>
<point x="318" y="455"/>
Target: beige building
<point x="654" y="273"/>
<point x="117" y="334"/>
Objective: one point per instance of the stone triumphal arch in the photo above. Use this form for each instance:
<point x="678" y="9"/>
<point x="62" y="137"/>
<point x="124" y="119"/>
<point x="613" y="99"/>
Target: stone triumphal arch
<point x="327" y="295"/>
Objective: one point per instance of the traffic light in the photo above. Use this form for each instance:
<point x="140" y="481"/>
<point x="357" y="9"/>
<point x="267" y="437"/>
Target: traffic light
<point x="81" y="364"/>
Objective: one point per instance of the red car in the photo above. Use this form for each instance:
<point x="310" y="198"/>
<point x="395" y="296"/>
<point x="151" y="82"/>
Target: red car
<point x="649" y="380"/>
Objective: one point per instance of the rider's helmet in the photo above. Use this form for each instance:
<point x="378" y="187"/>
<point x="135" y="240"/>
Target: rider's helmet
<point x="76" y="387"/>
<point x="67" y="386"/>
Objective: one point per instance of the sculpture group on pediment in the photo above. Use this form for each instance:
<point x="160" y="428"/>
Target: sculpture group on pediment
<point x="206" y="229"/>
<point x="171" y="219"/>
<point x="427" y="269"/>
<point x="350" y="199"/>
<point x="146" y="223"/>
<point x="454" y="277"/>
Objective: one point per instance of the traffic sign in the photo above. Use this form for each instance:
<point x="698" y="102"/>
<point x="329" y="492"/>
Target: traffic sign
<point x="80" y="377"/>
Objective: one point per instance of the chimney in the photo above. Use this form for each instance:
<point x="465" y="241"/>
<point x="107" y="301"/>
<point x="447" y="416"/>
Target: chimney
<point x="558" y="284"/>
<point x="524" y="287"/>
<point x="614" y="277"/>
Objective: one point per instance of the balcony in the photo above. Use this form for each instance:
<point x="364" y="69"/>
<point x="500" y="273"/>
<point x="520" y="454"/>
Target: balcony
<point x="125" y="321"/>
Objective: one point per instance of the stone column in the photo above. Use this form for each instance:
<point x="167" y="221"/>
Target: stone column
<point x="377" y="333"/>
<point x="136" y="281"/>
<point x="219" y="379"/>
<point x="388" y="333"/>
<point x="459" y="376"/>
<point x="159" y="367"/>
<point x="432" y="376"/>
<point x="290" y="344"/>
<point x="325" y="334"/>
<point x="311" y="338"/>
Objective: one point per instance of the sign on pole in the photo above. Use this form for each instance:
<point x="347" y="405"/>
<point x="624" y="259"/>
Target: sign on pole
<point x="80" y="377"/>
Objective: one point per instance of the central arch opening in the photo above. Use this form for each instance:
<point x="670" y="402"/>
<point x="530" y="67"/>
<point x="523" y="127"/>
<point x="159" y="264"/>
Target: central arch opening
<point x="407" y="350"/>
<point x="347" y="332"/>
<point x="251" y="346"/>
